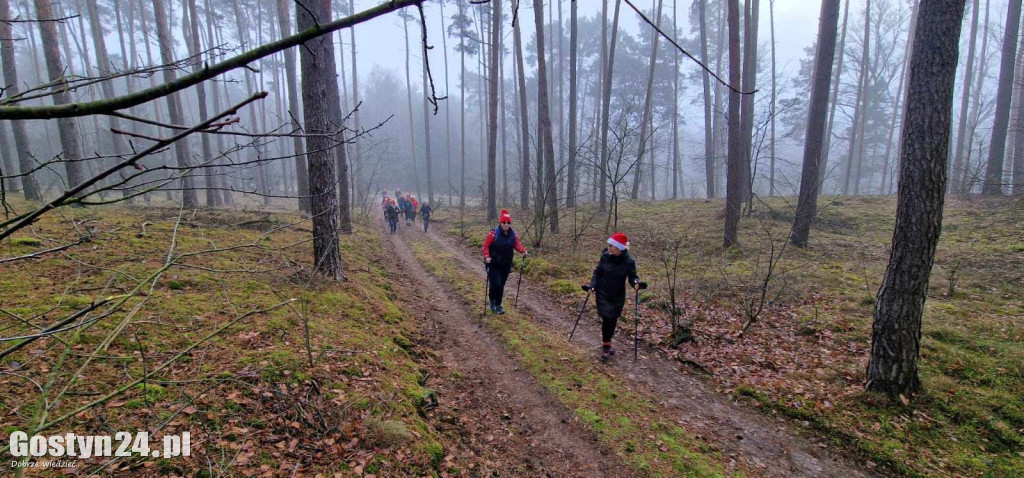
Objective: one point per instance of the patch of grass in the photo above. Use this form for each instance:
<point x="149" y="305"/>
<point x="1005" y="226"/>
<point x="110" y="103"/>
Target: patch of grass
<point x="563" y="286"/>
<point x="386" y="433"/>
<point x="26" y="241"/>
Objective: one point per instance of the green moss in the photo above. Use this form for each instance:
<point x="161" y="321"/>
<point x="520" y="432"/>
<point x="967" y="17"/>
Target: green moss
<point x="76" y="302"/>
<point x="401" y="341"/>
<point x="26" y="241"/>
<point x="434" y="450"/>
<point x="563" y="286"/>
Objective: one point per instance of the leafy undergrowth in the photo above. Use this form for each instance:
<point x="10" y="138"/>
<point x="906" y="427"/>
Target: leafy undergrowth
<point x="250" y="398"/>
<point x="805" y="354"/>
<point x="627" y="422"/>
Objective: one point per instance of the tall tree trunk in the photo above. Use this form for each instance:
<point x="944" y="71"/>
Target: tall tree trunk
<point x="408" y="91"/>
<point x="771" y="110"/>
<point x="21" y="143"/>
<point x="524" y="121"/>
<point x="1018" y="131"/>
<point x="301" y="174"/>
<point x="211" y="26"/>
<point x="750" y="26"/>
<point x="341" y="155"/>
<point x="896" y="332"/>
<point x="675" y="102"/>
<point x="544" y="112"/>
<point x="427" y="105"/>
<point x="243" y="38"/>
<point x="834" y="101"/>
<point x="571" y="183"/>
<point x="997" y="148"/>
<point x="734" y="177"/>
<point x="7" y="184"/>
<point x="898" y="104"/>
<point x="606" y="101"/>
<point x="645" y="122"/>
<point x="975" y="115"/>
<point x="561" y="101"/>
<point x="709" y="138"/>
<point x="859" y="107"/>
<point x="104" y="68"/>
<point x="720" y="115"/>
<point x="504" y="121"/>
<point x="492" y="117"/>
<point x="1011" y="130"/>
<point x="599" y="105"/>
<point x="447" y="108"/>
<point x="318" y="78"/>
<point x="181" y="147"/>
<point x="357" y="157"/>
<point x="481" y="65"/>
<point x="817" y="116"/>
<point x="961" y="137"/>
<point x="194" y="49"/>
<point x="68" y="129"/>
<point x="462" y="108"/>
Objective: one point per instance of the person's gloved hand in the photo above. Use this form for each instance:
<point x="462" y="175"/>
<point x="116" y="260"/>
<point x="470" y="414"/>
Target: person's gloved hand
<point x="487" y="260"/>
<point x="586" y="288"/>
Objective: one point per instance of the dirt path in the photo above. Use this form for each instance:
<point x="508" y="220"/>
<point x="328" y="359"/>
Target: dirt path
<point x="773" y="445"/>
<point x="502" y="415"/>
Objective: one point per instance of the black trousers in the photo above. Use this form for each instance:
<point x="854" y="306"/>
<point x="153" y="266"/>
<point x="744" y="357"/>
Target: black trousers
<point x="426" y="223"/>
<point x="497" y="275"/>
<point x="608" y="325"/>
<point x="393" y="225"/>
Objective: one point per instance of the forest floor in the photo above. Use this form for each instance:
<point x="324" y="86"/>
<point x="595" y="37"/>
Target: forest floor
<point x="259" y="394"/>
<point x="804" y="354"/>
<point x="402" y="373"/>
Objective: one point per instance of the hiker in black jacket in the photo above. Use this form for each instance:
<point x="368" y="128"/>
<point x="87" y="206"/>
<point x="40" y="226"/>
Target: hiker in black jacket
<point x="391" y="214"/>
<point x="425" y="211"/>
<point x="609" y="285"/>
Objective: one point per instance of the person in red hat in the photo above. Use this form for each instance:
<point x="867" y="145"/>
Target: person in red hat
<point x="613" y="271"/>
<point x="500" y="246"/>
<point x="391" y="214"/>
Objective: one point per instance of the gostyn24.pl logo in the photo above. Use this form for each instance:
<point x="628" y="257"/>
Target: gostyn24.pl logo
<point x="122" y="444"/>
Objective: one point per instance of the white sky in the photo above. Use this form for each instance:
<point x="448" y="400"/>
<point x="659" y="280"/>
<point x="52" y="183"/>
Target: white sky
<point x="381" y="42"/>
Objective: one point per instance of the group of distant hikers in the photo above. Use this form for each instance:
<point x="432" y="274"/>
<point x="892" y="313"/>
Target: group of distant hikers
<point x="405" y="205"/>
<point x="608" y="282"/>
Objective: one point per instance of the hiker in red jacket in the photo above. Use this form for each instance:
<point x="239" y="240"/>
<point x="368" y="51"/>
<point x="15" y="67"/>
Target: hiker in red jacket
<point x="498" y="255"/>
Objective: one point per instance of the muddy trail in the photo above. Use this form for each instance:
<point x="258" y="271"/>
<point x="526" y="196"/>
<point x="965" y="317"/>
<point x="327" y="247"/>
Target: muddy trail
<point x="772" y="446"/>
<point x="504" y="420"/>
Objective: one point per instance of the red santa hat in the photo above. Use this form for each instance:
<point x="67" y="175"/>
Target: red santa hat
<point x="619" y="241"/>
<point x="505" y="216"/>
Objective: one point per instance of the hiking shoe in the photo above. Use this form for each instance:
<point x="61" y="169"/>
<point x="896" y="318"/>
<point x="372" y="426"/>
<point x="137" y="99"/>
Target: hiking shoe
<point x="499" y="309"/>
<point x="611" y="350"/>
<point x="605" y="355"/>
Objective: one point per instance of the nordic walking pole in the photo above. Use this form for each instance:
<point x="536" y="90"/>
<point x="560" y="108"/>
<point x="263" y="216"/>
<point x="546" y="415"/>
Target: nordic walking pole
<point x="521" y="270"/>
<point x="487" y="284"/>
<point x="636" y="319"/>
<point x="580" y="316"/>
